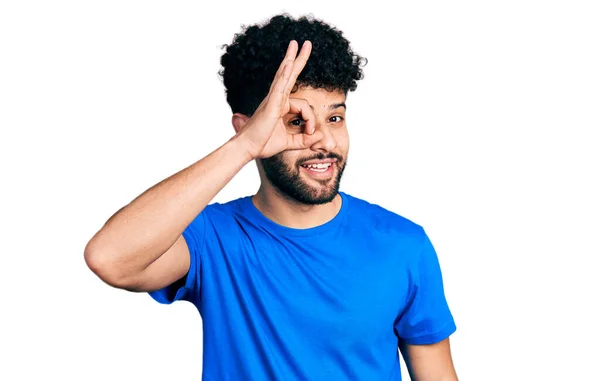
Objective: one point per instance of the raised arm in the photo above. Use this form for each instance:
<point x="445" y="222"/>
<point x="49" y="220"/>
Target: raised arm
<point x="141" y="248"/>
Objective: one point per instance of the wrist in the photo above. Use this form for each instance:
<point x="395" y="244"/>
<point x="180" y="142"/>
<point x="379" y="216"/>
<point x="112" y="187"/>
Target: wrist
<point x="243" y="147"/>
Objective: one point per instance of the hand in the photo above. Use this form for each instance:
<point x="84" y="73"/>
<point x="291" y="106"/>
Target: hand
<point x="265" y="133"/>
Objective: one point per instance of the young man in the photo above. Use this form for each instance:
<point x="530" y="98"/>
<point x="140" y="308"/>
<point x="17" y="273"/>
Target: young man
<point x="299" y="281"/>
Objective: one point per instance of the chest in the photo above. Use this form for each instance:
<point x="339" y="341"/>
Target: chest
<point x="325" y="286"/>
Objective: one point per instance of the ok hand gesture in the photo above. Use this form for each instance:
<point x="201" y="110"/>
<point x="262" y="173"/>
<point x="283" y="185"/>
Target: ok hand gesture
<point x="265" y="132"/>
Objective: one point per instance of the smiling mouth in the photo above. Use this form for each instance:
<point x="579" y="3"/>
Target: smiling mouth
<point x="319" y="168"/>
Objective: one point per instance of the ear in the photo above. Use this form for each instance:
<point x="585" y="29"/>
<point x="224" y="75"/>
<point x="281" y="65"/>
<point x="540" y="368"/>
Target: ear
<point x="239" y="121"/>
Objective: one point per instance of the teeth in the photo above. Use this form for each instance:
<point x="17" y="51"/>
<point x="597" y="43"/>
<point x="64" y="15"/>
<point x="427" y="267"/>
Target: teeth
<point x="318" y="166"/>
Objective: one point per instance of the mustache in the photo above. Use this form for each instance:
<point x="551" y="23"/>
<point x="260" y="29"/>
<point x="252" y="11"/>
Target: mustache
<point x="321" y="156"/>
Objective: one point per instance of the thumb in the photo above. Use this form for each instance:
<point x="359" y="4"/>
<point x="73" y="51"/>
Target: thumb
<point x="303" y="140"/>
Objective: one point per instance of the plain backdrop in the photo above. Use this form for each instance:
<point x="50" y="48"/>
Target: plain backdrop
<point x="477" y="120"/>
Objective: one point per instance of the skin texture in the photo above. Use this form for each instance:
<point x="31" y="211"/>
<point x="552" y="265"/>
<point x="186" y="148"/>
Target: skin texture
<point x="140" y="248"/>
<point x="431" y="362"/>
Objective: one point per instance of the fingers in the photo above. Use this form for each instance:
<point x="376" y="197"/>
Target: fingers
<point x="303" y="141"/>
<point x="299" y="64"/>
<point x="302" y="107"/>
<point x="289" y="57"/>
<point x="288" y="72"/>
<point x="277" y="95"/>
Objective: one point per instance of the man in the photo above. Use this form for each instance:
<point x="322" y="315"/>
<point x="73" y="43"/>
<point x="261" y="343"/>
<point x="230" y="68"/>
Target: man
<point x="299" y="281"/>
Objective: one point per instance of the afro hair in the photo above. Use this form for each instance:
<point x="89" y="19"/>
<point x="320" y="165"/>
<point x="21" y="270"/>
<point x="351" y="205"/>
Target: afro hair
<point x="252" y="59"/>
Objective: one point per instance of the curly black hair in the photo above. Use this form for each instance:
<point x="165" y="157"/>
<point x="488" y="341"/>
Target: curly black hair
<point x="252" y="59"/>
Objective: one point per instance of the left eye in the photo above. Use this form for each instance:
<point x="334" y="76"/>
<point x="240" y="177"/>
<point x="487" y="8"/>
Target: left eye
<point x="335" y="119"/>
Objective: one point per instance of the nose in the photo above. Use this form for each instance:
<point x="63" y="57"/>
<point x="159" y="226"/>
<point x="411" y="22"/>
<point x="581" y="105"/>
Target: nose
<point x="328" y="142"/>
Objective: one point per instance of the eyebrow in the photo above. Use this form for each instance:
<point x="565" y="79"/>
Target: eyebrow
<point x="337" y="105"/>
<point x="333" y="106"/>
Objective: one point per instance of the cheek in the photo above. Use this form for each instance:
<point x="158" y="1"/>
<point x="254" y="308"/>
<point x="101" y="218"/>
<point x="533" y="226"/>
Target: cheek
<point x="343" y="140"/>
<point x="289" y="158"/>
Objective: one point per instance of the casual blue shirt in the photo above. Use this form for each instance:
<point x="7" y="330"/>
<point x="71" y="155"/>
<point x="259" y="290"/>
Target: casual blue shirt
<point x="326" y="303"/>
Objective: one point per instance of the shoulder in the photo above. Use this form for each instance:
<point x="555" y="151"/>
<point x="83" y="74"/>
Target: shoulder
<point x="221" y="219"/>
<point x="377" y="218"/>
<point x="226" y="210"/>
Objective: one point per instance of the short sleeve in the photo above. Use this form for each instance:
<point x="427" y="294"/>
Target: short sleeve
<point x="426" y="318"/>
<point x="188" y="287"/>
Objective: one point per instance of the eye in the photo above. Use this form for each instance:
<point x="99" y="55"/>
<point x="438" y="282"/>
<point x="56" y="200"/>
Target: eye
<point x="296" y="122"/>
<point x="333" y="119"/>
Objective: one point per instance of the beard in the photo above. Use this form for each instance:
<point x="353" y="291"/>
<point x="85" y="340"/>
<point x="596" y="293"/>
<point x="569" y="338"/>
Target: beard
<point x="287" y="180"/>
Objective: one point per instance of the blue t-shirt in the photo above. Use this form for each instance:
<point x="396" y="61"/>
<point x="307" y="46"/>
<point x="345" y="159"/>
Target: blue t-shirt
<point x="326" y="303"/>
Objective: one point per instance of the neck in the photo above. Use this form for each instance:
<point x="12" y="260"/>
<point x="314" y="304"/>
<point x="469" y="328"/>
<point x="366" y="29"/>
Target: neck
<point x="293" y="214"/>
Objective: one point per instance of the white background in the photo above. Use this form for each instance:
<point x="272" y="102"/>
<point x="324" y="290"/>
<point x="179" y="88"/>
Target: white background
<point x="478" y="120"/>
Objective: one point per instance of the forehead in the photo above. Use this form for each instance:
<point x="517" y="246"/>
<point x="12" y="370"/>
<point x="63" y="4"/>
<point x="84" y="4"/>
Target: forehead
<point x="319" y="98"/>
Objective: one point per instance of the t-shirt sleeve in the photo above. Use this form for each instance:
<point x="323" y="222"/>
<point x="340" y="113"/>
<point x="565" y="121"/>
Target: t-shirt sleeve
<point x="188" y="287"/>
<point x="426" y="318"/>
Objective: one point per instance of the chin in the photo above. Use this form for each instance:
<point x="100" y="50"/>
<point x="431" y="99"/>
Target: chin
<point x="318" y="198"/>
<point x="303" y="185"/>
<point x="312" y="192"/>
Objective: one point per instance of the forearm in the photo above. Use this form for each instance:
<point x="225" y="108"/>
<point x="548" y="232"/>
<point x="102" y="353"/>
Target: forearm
<point x="143" y="230"/>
